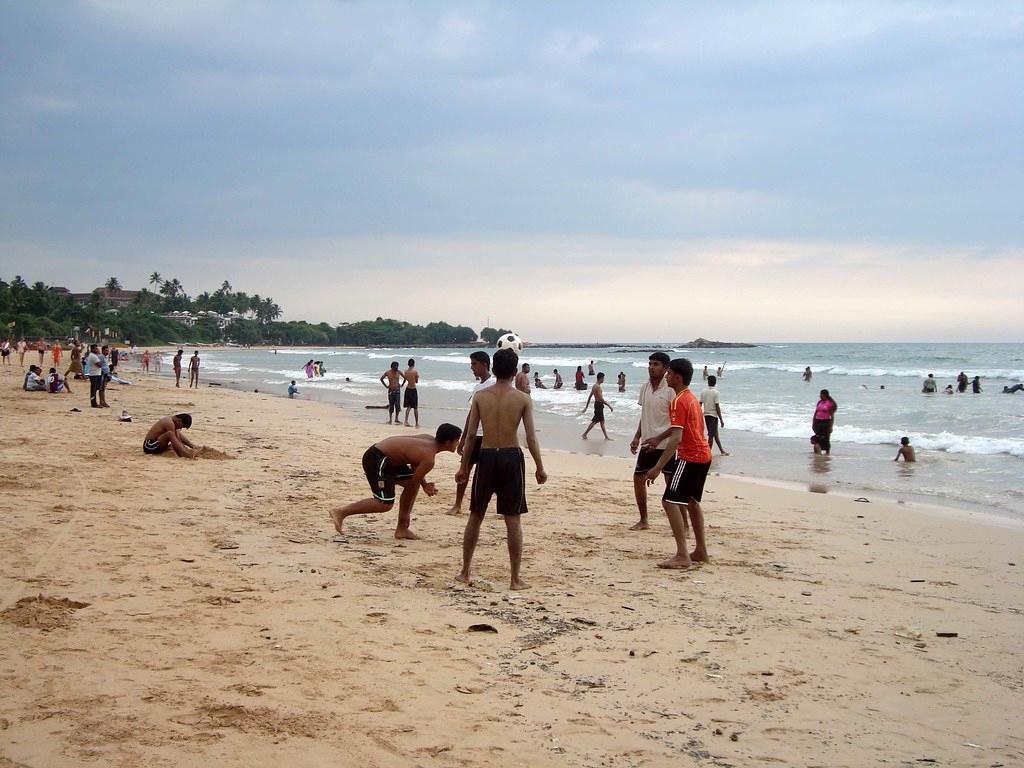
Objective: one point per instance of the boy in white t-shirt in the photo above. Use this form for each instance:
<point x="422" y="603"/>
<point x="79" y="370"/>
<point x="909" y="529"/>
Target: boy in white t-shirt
<point x="710" y="403"/>
<point x="480" y="365"/>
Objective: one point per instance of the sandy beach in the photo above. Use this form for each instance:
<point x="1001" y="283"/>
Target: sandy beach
<point x="162" y="612"/>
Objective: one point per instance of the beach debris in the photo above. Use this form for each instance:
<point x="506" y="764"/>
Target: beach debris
<point x="806" y="594"/>
<point x="947" y="634"/>
<point x="482" y="628"/>
<point x="734" y="736"/>
<point x="466" y="689"/>
<point x="588" y="622"/>
<point x="917" y="581"/>
<point x="863" y="500"/>
<point x="972" y="745"/>
<point x="187" y="559"/>
<point x="628" y="608"/>
<point x="76" y="410"/>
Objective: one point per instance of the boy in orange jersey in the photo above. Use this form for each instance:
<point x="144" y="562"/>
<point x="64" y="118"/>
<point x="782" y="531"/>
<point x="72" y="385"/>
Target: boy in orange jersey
<point x="685" y="459"/>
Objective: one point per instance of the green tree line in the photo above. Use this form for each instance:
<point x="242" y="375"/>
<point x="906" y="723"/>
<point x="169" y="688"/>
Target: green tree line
<point x="35" y="311"/>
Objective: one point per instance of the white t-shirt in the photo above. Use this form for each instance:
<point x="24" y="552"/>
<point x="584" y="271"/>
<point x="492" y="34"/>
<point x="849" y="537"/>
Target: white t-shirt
<point x="709" y="399"/>
<point x="481" y="385"/>
<point x="654" y="407"/>
<point x="94" y="364"/>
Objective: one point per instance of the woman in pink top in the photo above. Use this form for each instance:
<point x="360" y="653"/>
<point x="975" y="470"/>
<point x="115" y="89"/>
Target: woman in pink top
<point x="824" y="418"/>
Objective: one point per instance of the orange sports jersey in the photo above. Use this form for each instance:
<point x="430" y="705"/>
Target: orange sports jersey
<point x="685" y="412"/>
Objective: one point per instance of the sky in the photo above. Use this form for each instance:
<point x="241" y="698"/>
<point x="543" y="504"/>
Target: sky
<point x="574" y="171"/>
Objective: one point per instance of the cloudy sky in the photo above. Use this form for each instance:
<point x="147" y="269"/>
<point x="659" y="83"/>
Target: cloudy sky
<point x="575" y="171"/>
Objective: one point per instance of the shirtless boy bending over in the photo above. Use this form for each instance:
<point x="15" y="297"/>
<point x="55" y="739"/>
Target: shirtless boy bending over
<point x="403" y="461"/>
<point x="166" y="433"/>
<point x="500" y="470"/>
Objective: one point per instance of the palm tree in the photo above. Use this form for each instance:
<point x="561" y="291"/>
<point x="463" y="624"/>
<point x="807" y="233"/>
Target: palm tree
<point x="269" y="310"/>
<point x="225" y="287"/>
<point x="155" y="279"/>
<point x="113" y="284"/>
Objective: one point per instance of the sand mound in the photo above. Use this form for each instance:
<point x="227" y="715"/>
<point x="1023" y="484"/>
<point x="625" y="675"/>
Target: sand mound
<point x="41" y="612"/>
<point x="212" y="453"/>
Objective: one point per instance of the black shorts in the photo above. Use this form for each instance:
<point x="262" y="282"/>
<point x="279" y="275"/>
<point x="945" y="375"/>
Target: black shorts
<point x="598" y="413"/>
<point x="474" y="452"/>
<point x="685" y="481"/>
<point x="645" y="460"/>
<point x="153" y="447"/>
<point x="412" y="399"/>
<point x="711" y="422"/>
<point x="382" y="475"/>
<point x="394" y="399"/>
<point x="501" y="472"/>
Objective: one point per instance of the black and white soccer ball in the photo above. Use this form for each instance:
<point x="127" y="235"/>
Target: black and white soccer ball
<point x="510" y="341"/>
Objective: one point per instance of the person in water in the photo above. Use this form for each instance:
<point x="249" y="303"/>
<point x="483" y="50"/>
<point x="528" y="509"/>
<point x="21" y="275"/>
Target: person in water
<point x="906" y="451"/>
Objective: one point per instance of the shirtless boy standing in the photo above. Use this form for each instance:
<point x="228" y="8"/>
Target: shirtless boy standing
<point x="166" y="433"/>
<point x="403" y="461"/>
<point x="412" y="396"/>
<point x="177" y="367"/>
<point x="392" y="381"/>
<point x="501" y="470"/>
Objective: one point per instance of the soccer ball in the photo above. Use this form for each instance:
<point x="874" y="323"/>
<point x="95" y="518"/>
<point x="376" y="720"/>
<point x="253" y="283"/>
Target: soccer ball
<point x="510" y="341"/>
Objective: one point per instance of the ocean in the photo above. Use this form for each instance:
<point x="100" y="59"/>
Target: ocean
<point x="970" y="446"/>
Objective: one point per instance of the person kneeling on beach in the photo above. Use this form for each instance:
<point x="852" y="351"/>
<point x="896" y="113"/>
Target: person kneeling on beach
<point x="166" y="433"/>
<point x="686" y="460"/>
<point x="500" y="470"/>
<point x="403" y="461"/>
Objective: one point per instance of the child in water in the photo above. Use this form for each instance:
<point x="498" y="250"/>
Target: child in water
<point x="906" y="451"/>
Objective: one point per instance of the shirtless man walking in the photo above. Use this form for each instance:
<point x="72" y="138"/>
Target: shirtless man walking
<point x="412" y="395"/>
<point x="403" y="461"/>
<point x="501" y="470"/>
<point x="166" y="433"/>
<point x="193" y="370"/>
<point x="597" y="395"/>
<point x="392" y="380"/>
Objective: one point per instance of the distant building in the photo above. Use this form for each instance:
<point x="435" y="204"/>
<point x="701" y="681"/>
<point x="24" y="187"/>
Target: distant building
<point x="113" y="299"/>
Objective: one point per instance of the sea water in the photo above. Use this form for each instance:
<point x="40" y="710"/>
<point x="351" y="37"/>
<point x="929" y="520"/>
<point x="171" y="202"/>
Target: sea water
<point x="970" y="446"/>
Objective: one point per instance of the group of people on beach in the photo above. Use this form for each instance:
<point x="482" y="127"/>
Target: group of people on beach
<point x="669" y="442"/>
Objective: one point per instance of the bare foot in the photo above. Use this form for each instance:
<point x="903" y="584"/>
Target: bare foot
<point x="641" y="526"/>
<point x="607" y="438"/>
<point x="676" y="563"/>
<point x="405" y="533"/>
<point x="337" y="520"/>
<point x="700" y="557"/>
<point x="725" y="453"/>
<point x="454" y="511"/>
<point x="584" y="436"/>
<point x="463" y="578"/>
<point x="518" y="585"/>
